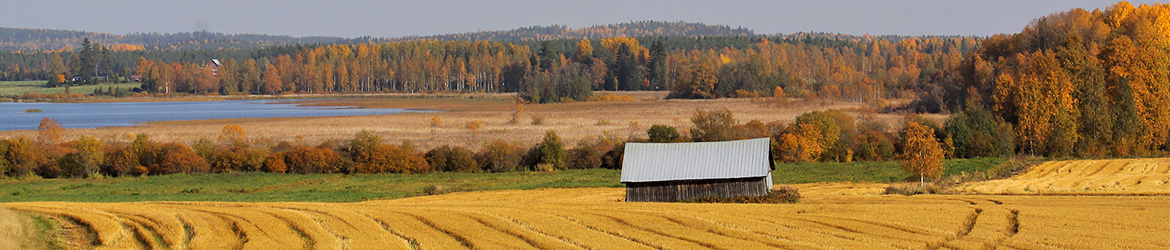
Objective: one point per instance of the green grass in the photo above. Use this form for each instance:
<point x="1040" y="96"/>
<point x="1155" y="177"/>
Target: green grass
<point x="45" y="234"/>
<point x="291" y="187"/>
<point x="265" y="187"/>
<point x="879" y="172"/>
<point x="9" y="88"/>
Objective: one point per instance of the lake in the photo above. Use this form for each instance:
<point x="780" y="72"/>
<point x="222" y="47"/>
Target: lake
<point x="14" y="116"/>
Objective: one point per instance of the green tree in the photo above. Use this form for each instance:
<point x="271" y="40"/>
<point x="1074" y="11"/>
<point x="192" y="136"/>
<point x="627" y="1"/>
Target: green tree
<point x="662" y="133"/>
<point x="552" y="150"/>
<point x="656" y="67"/>
<point x="56" y="67"/>
<point x="452" y="159"/>
<point x="89" y="56"/>
<point x="626" y="69"/>
<point x="363" y="145"/>
<point x="977" y="132"/>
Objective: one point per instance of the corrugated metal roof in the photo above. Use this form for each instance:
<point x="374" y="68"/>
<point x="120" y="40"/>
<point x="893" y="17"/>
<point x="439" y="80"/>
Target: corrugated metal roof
<point x="648" y="162"/>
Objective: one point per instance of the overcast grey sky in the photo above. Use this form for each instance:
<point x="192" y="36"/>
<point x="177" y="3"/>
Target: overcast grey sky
<point x="402" y="18"/>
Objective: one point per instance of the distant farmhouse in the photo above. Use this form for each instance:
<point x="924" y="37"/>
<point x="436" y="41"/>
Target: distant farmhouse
<point x="213" y="65"/>
<point x="668" y="172"/>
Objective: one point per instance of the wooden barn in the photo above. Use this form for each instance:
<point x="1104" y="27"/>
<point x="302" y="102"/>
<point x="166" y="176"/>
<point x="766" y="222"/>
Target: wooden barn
<point x="668" y="172"/>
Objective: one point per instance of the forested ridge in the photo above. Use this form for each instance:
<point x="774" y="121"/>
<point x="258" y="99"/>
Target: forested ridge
<point x="807" y="64"/>
<point x="40" y="40"/>
<point x="629" y="29"/>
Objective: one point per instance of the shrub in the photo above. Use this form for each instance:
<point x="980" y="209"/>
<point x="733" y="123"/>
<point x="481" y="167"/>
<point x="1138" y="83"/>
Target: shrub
<point x="752" y="129"/>
<point x="178" y="158"/>
<point x="499" y="156"/>
<point x="873" y="146"/>
<point x="712" y="125"/>
<point x="552" y="150"/>
<point x="393" y="159"/>
<point x="784" y="194"/>
<point x="537" y="120"/>
<point x="363" y="145"/>
<point x="613" y="158"/>
<point x="911" y="189"/>
<point x="71" y="165"/>
<point x="662" y="133"/>
<point x="24" y="155"/>
<point x="609" y="97"/>
<point x="89" y="155"/>
<point x="274" y="163"/>
<point x="452" y="159"/>
<point x="146" y="150"/>
<point x="307" y="160"/>
<point x="590" y="154"/>
<point x="5" y="165"/>
<point x="242" y="158"/>
<point x="739" y="93"/>
<point x="121" y="161"/>
<point x="473" y="125"/>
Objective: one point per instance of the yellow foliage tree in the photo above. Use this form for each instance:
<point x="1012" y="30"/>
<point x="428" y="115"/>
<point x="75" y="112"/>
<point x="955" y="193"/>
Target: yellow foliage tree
<point x="232" y="134"/>
<point x="90" y="154"/>
<point x="48" y="132"/>
<point x="922" y="155"/>
<point x="800" y="144"/>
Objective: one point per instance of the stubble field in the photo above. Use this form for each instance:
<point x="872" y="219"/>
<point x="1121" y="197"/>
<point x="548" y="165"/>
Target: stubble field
<point x="1145" y="176"/>
<point x="838" y="215"/>
<point x="830" y="216"/>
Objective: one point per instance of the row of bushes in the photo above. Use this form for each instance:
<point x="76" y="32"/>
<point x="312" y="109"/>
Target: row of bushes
<point x="231" y="152"/>
<point x="830" y="135"/>
<point x="783" y="194"/>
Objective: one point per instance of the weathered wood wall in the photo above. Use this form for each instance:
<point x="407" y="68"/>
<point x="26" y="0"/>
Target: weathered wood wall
<point x="671" y="191"/>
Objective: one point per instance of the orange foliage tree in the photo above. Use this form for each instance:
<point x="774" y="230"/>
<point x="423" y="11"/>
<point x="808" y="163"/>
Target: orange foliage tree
<point x="48" y="132"/>
<point x="922" y="155"/>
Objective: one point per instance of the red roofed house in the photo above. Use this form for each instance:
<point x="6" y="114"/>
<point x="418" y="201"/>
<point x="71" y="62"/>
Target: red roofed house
<point x="213" y="65"/>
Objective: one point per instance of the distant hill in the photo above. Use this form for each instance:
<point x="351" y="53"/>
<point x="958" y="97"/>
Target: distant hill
<point x="629" y="29"/>
<point x="33" y="40"/>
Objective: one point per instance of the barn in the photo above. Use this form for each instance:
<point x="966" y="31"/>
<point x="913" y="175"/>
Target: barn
<point x="668" y="172"/>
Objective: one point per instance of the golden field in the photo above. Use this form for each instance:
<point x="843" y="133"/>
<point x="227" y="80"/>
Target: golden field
<point x="573" y="121"/>
<point x="830" y="216"/>
<point x="1146" y="176"/>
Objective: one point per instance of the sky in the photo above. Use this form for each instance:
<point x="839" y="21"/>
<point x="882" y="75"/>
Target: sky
<point x="395" y="18"/>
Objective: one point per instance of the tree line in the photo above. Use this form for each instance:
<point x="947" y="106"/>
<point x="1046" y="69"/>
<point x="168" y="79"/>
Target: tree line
<point x="863" y="69"/>
<point x="1076" y="83"/>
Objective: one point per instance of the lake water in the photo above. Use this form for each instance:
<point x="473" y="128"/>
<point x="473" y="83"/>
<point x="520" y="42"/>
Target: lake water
<point x="13" y="116"/>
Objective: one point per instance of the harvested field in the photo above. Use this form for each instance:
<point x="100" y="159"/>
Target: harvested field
<point x="831" y="216"/>
<point x="1120" y="176"/>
